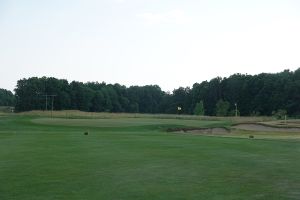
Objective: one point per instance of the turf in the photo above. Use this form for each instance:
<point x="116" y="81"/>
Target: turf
<point x="42" y="158"/>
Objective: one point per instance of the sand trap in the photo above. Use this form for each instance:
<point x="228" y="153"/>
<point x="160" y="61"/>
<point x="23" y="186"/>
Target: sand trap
<point x="263" y="128"/>
<point x="289" y="123"/>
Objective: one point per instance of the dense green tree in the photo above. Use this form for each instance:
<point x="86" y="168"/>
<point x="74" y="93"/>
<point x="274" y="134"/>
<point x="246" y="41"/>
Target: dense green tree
<point x="6" y="98"/>
<point x="182" y="98"/>
<point x="261" y="94"/>
<point x="98" y="102"/>
<point x="222" y="108"/>
<point x="199" y="108"/>
<point x="29" y="94"/>
<point x="81" y="96"/>
<point x="213" y="95"/>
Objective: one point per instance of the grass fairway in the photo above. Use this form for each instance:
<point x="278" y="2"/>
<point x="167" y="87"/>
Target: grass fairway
<point x="135" y="158"/>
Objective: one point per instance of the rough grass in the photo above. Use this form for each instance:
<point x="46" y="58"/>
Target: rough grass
<point x="75" y="114"/>
<point x="40" y="159"/>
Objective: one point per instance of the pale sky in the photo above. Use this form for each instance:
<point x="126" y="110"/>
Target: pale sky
<point x="170" y="43"/>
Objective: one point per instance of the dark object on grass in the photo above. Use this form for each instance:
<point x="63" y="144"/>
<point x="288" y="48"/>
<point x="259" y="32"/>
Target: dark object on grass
<point x="86" y="133"/>
<point x="251" y="136"/>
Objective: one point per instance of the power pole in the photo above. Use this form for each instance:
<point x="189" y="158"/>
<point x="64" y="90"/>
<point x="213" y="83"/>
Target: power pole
<point x="52" y="100"/>
<point x="235" y="109"/>
<point x="46" y="101"/>
<point x="52" y="95"/>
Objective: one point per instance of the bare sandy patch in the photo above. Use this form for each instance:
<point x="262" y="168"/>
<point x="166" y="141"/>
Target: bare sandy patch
<point x="264" y="128"/>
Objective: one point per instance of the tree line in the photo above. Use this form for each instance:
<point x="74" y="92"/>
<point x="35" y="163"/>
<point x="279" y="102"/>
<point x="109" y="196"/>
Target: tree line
<point x="7" y="98"/>
<point x="242" y="94"/>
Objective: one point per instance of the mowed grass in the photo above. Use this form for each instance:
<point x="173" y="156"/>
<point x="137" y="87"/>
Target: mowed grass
<point x="129" y="122"/>
<point x="43" y="158"/>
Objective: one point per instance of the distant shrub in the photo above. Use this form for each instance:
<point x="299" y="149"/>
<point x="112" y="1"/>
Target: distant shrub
<point x="279" y="114"/>
<point x="199" y="108"/>
<point x="232" y="113"/>
<point x="255" y="114"/>
<point x="222" y="108"/>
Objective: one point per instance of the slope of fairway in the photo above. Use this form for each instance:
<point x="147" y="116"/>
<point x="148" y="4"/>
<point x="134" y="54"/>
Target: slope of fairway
<point x="126" y="122"/>
<point x="53" y="161"/>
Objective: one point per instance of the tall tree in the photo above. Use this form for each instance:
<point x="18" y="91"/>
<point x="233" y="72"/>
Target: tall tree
<point x="222" y="108"/>
<point x="262" y="94"/>
<point x="199" y="108"/>
<point x="6" y="98"/>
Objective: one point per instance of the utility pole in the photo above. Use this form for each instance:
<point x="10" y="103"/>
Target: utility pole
<point x="285" y="120"/>
<point x="235" y="109"/>
<point x="53" y="95"/>
<point x="46" y="102"/>
<point x="52" y="100"/>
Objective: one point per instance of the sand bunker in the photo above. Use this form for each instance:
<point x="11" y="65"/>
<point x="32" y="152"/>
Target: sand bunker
<point x="264" y="128"/>
<point x="289" y="123"/>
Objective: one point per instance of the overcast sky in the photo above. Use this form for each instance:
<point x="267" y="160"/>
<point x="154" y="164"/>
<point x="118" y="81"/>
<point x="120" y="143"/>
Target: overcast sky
<point x="171" y="43"/>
